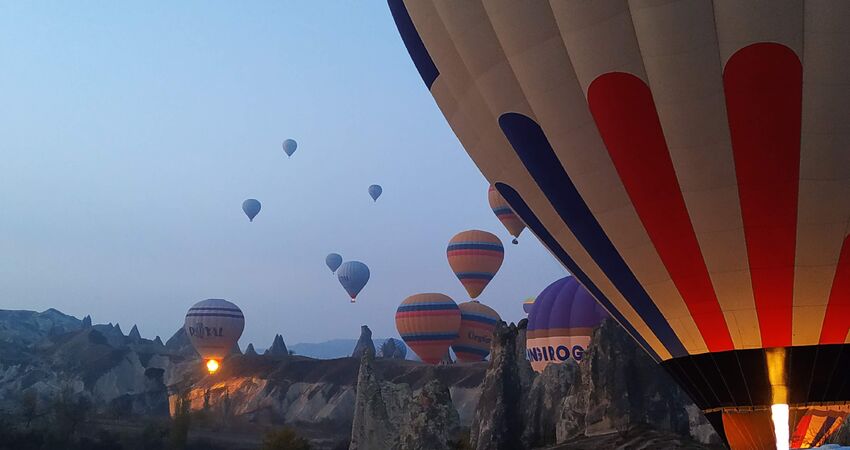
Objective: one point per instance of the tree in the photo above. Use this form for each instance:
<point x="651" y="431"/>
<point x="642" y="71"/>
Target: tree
<point x="284" y="439"/>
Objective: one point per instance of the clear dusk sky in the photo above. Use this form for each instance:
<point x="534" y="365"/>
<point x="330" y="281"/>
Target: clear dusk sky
<point x="131" y="132"/>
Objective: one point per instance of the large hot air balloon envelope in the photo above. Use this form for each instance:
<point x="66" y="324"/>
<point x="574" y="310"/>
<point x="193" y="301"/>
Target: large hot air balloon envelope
<point x="289" y="147"/>
<point x="214" y="326"/>
<point x="475" y="337"/>
<point x="333" y="261"/>
<point x="428" y="323"/>
<point x="375" y="191"/>
<point x="251" y="208"/>
<point x="506" y="215"/>
<point x="671" y="157"/>
<point x="561" y="323"/>
<point x="475" y="256"/>
<point x="353" y="276"/>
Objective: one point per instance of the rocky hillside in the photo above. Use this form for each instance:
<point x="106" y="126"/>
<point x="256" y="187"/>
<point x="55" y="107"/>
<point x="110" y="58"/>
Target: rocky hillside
<point x="45" y="354"/>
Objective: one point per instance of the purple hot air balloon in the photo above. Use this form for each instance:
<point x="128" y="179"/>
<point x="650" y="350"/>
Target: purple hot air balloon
<point x="561" y="322"/>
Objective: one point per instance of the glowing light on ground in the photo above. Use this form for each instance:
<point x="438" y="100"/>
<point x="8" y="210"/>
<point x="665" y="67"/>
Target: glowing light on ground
<point x="212" y="366"/>
<point x="779" y="414"/>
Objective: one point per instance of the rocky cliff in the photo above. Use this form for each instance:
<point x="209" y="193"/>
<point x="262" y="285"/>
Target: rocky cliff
<point x="615" y="395"/>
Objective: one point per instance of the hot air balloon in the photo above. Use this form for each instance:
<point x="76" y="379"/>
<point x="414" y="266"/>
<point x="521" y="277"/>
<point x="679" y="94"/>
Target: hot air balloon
<point x="560" y="323"/>
<point x="375" y="191"/>
<point x="333" y="261"/>
<point x="477" y="323"/>
<point x="214" y="326"/>
<point x="251" y="207"/>
<point x="289" y="147"/>
<point x="505" y="214"/>
<point x="475" y="256"/>
<point x="671" y="157"/>
<point x="527" y="305"/>
<point x="353" y="275"/>
<point x="428" y="324"/>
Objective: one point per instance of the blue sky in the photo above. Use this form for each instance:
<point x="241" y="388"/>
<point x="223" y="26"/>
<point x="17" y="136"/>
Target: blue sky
<point x="131" y="132"/>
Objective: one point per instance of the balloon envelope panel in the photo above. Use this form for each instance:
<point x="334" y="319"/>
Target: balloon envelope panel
<point x="671" y="157"/>
<point x="214" y="326"/>
<point x="477" y="322"/>
<point x="475" y="256"/>
<point x="428" y="324"/>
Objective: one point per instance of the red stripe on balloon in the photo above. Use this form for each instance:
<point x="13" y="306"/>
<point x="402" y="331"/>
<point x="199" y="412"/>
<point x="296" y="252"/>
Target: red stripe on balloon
<point x="764" y="84"/>
<point x="836" y="323"/>
<point x="468" y="252"/>
<point x="625" y="115"/>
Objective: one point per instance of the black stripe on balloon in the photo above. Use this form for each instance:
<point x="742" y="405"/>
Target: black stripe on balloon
<point x="234" y="316"/>
<point x="536" y="226"/>
<point x="415" y="47"/>
<point x="534" y="150"/>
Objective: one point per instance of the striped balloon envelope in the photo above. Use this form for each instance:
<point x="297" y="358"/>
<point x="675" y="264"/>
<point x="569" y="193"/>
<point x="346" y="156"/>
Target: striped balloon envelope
<point x="670" y="155"/>
<point x="475" y="256"/>
<point x="505" y="214"/>
<point x="477" y="323"/>
<point x="214" y="326"/>
<point x="561" y="323"/>
<point x="428" y="324"/>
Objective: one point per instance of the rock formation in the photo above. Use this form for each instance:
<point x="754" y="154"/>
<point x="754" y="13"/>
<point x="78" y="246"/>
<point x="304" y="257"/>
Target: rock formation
<point x="431" y="421"/>
<point x="86" y="322"/>
<point x="498" y="422"/>
<point x="617" y="390"/>
<point x="364" y="344"/>
<point x="391" y="415"/>
<point x="134" y="336"/>
<point x="250" y="350"/>
<point x="278" y="348"/>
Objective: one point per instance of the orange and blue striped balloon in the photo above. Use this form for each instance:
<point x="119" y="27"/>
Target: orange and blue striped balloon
<point x="506" y="215"/>
<point x="428" y="324"/>
<point x="475" y="256"/>
<point x="477" y="323"/>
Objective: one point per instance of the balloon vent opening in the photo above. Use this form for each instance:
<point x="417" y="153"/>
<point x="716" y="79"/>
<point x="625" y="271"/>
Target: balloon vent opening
<point x="212" y="366"/>
<point x="779" y="415"/>
<point x="515" y="242"/>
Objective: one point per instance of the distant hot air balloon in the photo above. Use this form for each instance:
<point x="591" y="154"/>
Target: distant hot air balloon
<point x="375" y="191"/>
<point x="561" y="322"/>
<point x="528" y="304"/>
<point x="213" y="327"/>
<point x="688" y="161"/>
<point x="477" y="323"/>
<point x="353" y="275"/>
<point x="428" y="324"/>
<point x="289" y="146"/>
<point x="333" y="260"/>
<point x="251" y="207"/>
<point x="505" y="214"/>
<point x="475" y="256"/>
